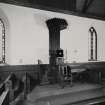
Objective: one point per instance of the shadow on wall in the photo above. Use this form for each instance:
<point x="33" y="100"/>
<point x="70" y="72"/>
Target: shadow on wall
<point x="41" y="19"/>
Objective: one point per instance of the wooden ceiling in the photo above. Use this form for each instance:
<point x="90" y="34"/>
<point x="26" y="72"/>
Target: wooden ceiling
<point x="85" y="8"/>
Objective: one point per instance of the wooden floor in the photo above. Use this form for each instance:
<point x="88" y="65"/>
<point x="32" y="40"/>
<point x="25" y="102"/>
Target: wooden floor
<point x="55" y="95"/>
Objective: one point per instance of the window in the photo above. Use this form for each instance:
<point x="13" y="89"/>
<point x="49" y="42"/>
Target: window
<point x="2" y="42"/>
<point x="92" y="44"/>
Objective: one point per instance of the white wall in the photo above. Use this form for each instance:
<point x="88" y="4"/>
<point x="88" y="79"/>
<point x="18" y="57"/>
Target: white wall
<point x="29" y="37"/>
<point x="75" y="38"/>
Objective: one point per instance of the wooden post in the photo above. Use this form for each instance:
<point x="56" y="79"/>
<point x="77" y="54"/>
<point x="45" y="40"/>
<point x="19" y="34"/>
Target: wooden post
<point x="26" y="81"/>
<point x="8" y="85"/>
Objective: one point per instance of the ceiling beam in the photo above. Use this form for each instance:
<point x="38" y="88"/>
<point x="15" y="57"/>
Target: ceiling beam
<point x="75" y="13"/>
<point x="86" y="5"/>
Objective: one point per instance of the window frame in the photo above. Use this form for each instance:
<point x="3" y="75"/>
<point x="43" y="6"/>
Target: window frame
<point x="93" y="47"/>
<point x="3" y="42"/>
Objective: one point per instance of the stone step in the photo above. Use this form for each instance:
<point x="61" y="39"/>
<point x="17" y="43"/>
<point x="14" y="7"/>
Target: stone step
<point x="54" y="90"/>
<point x="57" y="96"/>
<point x="54" y="95"/>
<point x="68" y="99"/>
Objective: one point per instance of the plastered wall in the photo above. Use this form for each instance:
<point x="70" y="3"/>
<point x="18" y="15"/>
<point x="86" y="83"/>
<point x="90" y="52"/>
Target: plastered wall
<point x="28" y="36"/>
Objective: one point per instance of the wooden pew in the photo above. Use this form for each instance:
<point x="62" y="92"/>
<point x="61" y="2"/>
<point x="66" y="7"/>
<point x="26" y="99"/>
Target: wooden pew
<point x="5" y="91"/>
<point x="9" y="84"/>
<point x="4" y="98"/>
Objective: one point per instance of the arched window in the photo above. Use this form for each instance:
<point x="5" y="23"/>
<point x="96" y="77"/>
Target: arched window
<point x="2" y="42"/>
<point x="92" y="44"/>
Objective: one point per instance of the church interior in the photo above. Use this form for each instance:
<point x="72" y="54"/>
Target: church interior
<point x="52" y="52"/>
